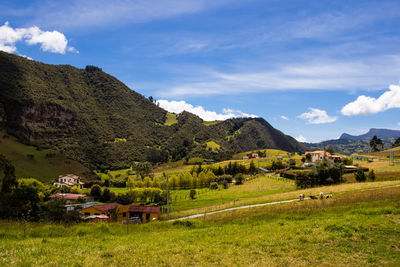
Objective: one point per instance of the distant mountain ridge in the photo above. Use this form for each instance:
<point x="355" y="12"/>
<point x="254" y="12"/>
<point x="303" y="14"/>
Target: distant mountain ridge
<point x="380" y="133"/>
<point x="93" y="118"/>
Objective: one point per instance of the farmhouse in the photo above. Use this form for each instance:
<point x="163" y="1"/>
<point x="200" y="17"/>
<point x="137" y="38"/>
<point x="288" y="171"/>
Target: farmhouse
<point x="321" y="154"/>
<point x="252" y="155"/>
<point x="318" y="155"/>
<point x="69" y="180"/>
<point x="122" y="213"/>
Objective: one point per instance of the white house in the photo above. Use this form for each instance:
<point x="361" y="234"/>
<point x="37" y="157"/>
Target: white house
<point x="69" y="180"/>
<point x="318" y="155"/>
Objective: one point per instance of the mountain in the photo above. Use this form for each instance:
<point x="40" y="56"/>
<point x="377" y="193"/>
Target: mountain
<point x="93" y="118"/>
<point x="347" y="146"/>
<point x="380" y="133"/>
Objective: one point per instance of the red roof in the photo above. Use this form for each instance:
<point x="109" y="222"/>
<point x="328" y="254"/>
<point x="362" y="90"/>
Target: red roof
<point x="148" y="209"/>
<point x="73" y="176"/>
<point x="106" y="207"/>
<point x="67" y="196"/>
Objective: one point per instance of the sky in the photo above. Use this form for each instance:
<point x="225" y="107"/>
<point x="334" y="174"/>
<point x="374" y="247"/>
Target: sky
<point x="313" y="69"/>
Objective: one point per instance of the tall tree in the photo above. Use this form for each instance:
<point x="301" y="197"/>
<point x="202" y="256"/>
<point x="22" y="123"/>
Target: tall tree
<point x="7" y="175"/>
<point x="396" y="143"/>
<point x="375" y="143"/>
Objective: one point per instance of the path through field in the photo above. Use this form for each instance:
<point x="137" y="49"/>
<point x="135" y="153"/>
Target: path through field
<point x="253" y="206"/>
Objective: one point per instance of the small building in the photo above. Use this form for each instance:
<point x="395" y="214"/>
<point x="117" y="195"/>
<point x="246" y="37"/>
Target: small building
<point x="123" y="213"/>
<point x="252" y="155"/>
<point x="69" y="180"/>
<point x="318" y="155"/>
<point x="67" y="196"/>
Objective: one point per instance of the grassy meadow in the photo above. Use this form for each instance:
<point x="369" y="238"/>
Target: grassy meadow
<point x="354" y="230"/>
<point x="44" y="165"/>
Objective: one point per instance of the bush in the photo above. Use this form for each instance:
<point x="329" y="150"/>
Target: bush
<point x="213" y="186"/>
<point x="239" y="178"/>
<point x="192" y="193"/>
<point x="347" y="161"/>
<point x="360" y="176"/>
<point x="371" y="176"/>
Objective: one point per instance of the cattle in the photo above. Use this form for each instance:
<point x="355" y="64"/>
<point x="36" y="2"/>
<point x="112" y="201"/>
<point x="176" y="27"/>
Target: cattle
<point x="313" y="197"/>
<point x="301" y="197"/>
<point x="321" y="195"/>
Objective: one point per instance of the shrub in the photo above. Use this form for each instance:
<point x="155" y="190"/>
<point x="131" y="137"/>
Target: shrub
<point x="360" y="176"/>
<point x="192" y="193"/>
<point x="239" y="178"/>
<point x="213" y="186"/>
<point x="371" y="176"/>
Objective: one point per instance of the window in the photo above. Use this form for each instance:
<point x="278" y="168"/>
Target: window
<point x="87" y="214"/>
<point x="97" y="214"/>
<point x="124" y="214"/>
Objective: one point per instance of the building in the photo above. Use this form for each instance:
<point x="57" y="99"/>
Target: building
<point x="321" y="154"/>
<point x="67" y="196"/>
<point x="252" y="155"/>
<point x="123" y="213"/>
<point x="69" y="180"/>
<point x="318" y="155"/>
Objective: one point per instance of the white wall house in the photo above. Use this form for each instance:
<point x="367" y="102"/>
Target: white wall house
<point x="69" y="180"/>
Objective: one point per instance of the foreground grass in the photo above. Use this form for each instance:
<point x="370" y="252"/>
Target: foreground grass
<point x="335" y="234"/>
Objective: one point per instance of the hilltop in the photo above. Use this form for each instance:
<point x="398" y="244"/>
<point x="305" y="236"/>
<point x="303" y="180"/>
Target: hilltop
<point x="91" y="117"/>
<point x="380" y="133"/>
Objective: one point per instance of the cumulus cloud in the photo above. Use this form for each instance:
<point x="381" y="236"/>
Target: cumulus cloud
<point x="317" y="116"/>
<point x="301" y="138"/>
<point x="364" y="105"/>
<point x="283" y="117"/>
<point x="49" y="41"/>
<point x="180" y="106"/>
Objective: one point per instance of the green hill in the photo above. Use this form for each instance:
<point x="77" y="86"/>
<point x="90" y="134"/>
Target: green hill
<point x="44" y="165"/>
<point x="91" y="117"/>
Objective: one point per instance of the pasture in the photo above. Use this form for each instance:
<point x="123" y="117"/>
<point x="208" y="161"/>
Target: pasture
<point x="361" y="231"/>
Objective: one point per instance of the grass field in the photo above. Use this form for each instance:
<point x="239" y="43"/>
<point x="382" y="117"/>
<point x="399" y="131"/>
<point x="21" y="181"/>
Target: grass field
<point x="261" y="186"/>
<point x="290" y="194"/>
<point x="357" y="231"/>
<point x="171" y="119"/>
<point x="40" y="166"/>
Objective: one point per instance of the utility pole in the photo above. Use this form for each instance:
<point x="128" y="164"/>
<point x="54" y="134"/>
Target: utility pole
<point x="167" y="196"/>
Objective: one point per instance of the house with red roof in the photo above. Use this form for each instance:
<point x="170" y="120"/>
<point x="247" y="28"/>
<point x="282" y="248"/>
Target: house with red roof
<point x="69" y="180"/>
<point x="123" y="213"/>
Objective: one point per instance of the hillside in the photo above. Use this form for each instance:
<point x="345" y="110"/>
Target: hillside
<point x="380" y="133"/>
<point x="44" y="165"/>
<point x="91" y="117"/>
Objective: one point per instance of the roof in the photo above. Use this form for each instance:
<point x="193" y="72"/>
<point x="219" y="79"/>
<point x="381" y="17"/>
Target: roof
<point x="107" y="206"/>
<point x="67" y="196"/>
<point x="317" y="152"/>
<point x="73" y="176"/>
<point x="149" y="209"/>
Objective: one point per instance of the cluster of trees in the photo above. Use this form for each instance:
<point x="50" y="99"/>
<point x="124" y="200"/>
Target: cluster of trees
<point x="376" y="144"/>
<point x="325" y="172"/>
<point x="231" y="169"/>
<point x="361" y="176"/>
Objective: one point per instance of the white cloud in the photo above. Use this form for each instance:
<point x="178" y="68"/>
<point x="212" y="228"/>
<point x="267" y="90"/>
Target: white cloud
<point x="364" y="105"/>
<point x="50" y="41"/>
<point x="323" y="74"/>
<point x="317" y="116"/>
<point x="180" y="106"/>
<point x="301" y="138"/>
<point x="284" y="118"/>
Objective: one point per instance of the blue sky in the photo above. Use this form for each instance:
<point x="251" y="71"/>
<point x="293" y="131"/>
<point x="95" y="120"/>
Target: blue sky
<point x="313" y="69"/>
